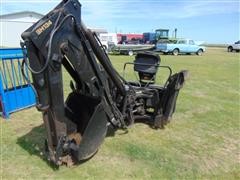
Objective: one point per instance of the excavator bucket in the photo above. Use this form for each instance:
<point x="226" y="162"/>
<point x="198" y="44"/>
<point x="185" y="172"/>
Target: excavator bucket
<point x="100" y="98"/>
<point x="91" y="120"/>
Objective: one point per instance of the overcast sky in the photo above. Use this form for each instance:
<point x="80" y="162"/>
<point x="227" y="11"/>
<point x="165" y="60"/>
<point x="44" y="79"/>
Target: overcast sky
<point x="211" y="21"/>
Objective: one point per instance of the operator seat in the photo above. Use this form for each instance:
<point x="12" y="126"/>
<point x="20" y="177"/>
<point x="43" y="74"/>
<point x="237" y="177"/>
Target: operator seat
<point x="146" y="65"/>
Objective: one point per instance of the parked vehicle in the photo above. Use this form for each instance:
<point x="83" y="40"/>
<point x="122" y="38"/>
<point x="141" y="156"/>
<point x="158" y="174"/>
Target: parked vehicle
<point x="149" y="38"/>
<point x="108" y="40"/>
<point x="234" y="47"/>
<point x="127" y="38"/>
<point x="160" y="35"/>
<point x="133" y="41"/>
<point x="183" y="46"/>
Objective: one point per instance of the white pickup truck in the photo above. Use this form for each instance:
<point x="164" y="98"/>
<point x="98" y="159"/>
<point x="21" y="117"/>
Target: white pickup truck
<point x="234" y="47"/>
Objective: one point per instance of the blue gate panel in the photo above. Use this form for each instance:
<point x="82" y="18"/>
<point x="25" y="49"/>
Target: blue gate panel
<point x="20" y="98"/>
<point x="10" y="53"/>
<point x="15" y="92"/>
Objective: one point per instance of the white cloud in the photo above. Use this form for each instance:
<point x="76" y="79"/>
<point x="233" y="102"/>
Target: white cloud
<point x="132" y="9"/>
<point x="203" y="8"/>
<point x="156" y="9"/>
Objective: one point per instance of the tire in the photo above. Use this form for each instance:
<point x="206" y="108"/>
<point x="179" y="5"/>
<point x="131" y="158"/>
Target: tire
<point x="200" y="52"/>
<point x="230" y="49"/>
<point x="175" y="52"/>
<point x="130" y="53"/>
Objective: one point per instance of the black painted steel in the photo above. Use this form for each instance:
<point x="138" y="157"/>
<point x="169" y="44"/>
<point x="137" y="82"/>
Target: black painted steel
<point x="100" y="99"/>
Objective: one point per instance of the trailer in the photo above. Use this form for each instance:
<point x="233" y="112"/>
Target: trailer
<point x="130" y="49"/>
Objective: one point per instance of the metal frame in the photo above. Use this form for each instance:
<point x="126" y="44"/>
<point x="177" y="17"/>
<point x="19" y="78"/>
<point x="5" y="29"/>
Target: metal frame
<point x="15" y="92"/>
<point x="145" y="64"/>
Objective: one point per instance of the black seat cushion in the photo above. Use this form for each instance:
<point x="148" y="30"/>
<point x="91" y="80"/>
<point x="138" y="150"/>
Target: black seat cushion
<point x="146" y="58"/>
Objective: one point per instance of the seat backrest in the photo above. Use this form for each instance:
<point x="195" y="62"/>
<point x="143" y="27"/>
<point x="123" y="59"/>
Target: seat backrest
<point x="146" y="65"/>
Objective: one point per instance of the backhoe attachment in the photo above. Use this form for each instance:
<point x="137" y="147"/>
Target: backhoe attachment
<point x="100" y="99"/>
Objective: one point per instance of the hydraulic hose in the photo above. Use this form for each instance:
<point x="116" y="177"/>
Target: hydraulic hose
<point x="103" y="59"/>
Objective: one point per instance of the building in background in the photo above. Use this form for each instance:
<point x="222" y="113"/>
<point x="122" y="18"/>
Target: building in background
<point x="12" y="25"/>
<point x="98" y="31"/>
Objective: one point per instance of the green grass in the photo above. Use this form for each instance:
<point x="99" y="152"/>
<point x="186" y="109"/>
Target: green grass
<point x="202" y="141"/>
